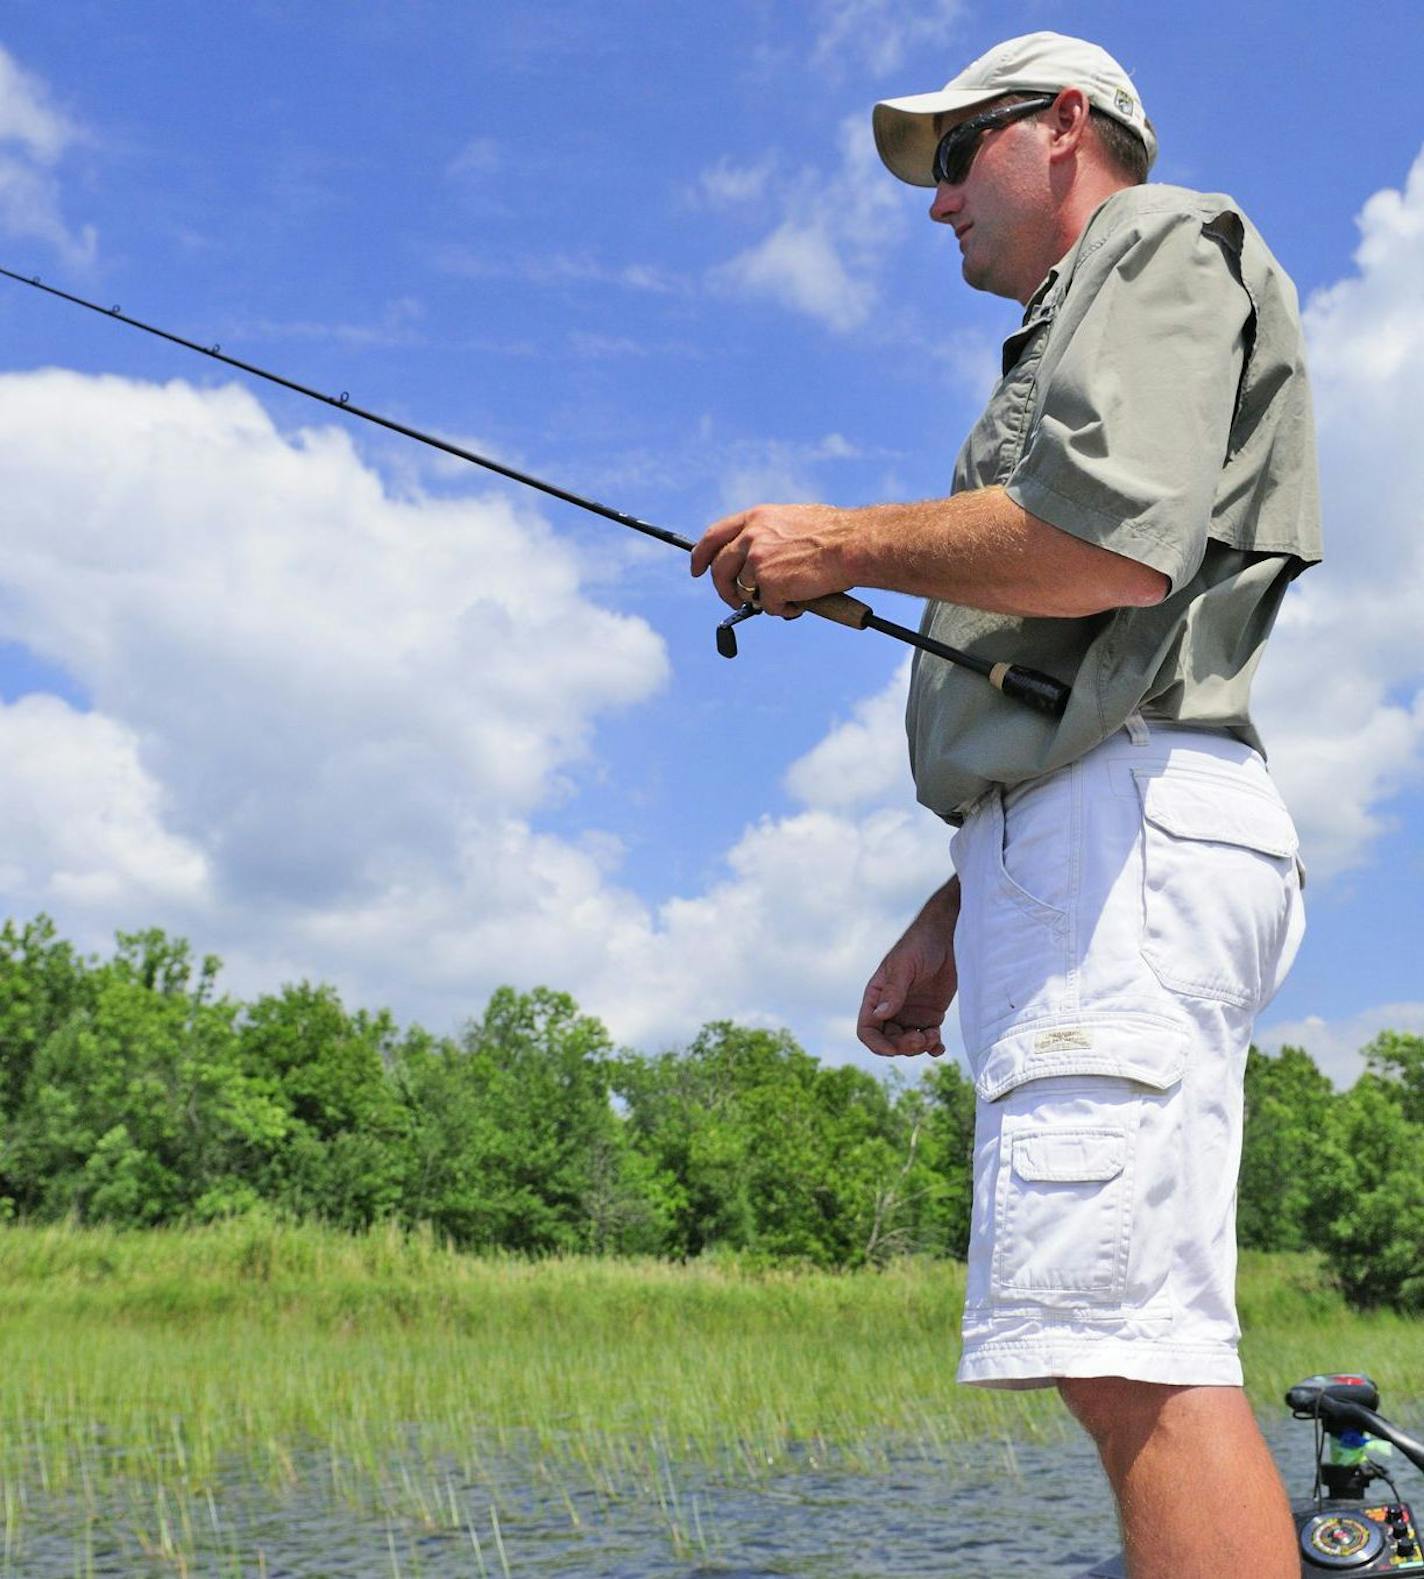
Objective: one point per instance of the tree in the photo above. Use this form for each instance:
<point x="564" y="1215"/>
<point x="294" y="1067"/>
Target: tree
<point x="702" y="1115"/>
<point x="780" y="1156"/>
<point x="1279" y="1204"/>
<point x="1373" y="1186"/>
<point x="1398" y="1059"/>
<point x="136" y="1108"/>
<point x="42" y="983"/>
<point x="343" y="1152"/>
<point x="514" y="1139"/>
<point x="949" y="1156"/>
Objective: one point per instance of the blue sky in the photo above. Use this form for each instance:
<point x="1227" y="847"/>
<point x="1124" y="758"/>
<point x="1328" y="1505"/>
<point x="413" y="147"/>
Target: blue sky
<point x="331" y="706"/>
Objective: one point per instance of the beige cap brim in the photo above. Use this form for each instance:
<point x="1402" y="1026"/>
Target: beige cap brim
<point x="905" y="135"/>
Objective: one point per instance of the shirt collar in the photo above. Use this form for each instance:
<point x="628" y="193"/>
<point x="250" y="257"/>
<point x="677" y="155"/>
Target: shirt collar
<point x="1049" y="281"/>
<point x="1064" y="266"/>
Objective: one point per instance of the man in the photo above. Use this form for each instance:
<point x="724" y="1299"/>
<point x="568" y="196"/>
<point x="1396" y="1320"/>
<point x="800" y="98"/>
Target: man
<point x="1126" y="515"/>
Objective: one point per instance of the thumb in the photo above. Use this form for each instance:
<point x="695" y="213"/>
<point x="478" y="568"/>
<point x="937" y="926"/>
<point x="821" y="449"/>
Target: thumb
<point x="886" y="991"/>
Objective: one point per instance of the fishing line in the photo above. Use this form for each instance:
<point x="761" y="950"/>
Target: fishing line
<point x="1039" y="691"/>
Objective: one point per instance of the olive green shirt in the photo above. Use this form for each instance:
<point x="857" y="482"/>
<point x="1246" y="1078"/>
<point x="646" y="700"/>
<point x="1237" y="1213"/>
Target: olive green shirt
<point x="1154" y="402"/>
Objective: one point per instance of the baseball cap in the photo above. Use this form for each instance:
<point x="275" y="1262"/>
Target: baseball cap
<point x="1036" y="63"/>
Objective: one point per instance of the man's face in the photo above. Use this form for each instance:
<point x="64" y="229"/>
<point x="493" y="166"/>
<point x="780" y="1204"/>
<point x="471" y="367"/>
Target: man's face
<point x="1001" y="211"/>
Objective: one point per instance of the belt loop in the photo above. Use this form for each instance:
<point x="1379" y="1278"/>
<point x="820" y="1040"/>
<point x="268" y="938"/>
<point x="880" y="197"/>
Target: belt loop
<point x="1137" y="729"/>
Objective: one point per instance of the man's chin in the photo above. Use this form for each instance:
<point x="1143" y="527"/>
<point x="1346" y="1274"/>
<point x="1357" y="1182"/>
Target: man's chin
<point x="976" y="274"/>
<point x="980" y="277"/>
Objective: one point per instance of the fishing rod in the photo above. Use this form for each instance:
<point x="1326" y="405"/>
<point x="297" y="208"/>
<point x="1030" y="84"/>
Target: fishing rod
<point x="1039" y="691"/>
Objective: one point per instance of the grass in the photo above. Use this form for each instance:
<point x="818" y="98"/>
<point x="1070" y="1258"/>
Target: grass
<point x="1294" y="1323"/>
<point x="214" y="1341"/>
<point x="154" y="1367"/>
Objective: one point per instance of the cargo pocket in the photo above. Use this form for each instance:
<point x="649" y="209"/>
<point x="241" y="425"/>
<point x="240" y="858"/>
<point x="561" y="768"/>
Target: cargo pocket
<point x="1065" y="1213"/>
<point x="1219" y="880"/>
<point x="1076" y="1103"/>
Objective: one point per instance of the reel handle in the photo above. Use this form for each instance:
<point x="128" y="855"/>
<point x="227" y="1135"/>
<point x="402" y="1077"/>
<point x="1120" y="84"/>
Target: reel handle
<point x="840" y="607"/>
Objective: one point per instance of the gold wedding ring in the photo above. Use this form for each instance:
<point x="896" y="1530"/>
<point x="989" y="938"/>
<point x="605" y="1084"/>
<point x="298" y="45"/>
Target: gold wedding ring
<point x="748" y="592"/>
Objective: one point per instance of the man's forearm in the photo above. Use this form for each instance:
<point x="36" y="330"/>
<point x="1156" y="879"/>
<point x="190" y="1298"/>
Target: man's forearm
<point x="983" y="550"/>
<point x="941" y="910"/>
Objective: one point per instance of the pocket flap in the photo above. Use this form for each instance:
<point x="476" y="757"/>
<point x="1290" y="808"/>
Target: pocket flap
<point x="1199" y="807"/>
<point x="1152" y="1052"/>
<point x="1074" y="1156"/>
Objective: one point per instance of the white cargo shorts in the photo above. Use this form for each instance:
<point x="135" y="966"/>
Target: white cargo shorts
<point x="1123" y="921"/>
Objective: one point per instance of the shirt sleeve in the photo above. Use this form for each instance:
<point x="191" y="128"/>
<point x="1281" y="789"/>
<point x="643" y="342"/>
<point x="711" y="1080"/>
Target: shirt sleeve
<point x="1133" y="417"/>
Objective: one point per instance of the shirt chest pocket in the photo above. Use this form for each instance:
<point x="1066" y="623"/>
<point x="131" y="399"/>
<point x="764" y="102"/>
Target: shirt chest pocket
<point x="996" y="441"/>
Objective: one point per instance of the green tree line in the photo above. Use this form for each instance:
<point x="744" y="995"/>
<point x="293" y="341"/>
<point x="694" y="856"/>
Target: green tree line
<point x="133" y="1093"/>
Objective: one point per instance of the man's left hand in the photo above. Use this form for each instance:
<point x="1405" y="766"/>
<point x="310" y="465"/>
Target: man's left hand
<point x="789" y="553"/>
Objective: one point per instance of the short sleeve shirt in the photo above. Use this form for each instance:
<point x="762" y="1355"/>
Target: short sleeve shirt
<point x="1154" y="402"/>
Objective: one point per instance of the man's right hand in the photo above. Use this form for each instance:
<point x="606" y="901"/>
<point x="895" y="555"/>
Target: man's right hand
<point x="907" y="998"/>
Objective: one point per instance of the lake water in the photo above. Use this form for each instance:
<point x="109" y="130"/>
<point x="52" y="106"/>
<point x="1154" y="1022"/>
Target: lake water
<point x="1027" y="1509"/>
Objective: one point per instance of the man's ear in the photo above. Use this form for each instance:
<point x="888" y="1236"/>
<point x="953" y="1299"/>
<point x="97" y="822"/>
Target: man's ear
<point x="1067" y="119"/>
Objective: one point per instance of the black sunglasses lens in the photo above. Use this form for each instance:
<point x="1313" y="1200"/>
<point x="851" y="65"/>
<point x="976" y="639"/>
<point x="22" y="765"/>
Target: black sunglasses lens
<point x="958" y="146"/>
<point x="955" y="154"/>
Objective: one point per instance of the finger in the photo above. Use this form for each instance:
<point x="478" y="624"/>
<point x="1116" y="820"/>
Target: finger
<point x="771" y="603"/>
<point x="892" y="1040"/>
<point x="884" y="994"/>
<point x="877" y="1043"/>
<point x="869" y="1027"/>
<point x="909" y="1039"/>
<point x="715" y="539"/>
<point x="934" y="1040"/>
<point x="884" y="997"/>
<point x="870" y="1000"/>
<point x="726" y="567"/>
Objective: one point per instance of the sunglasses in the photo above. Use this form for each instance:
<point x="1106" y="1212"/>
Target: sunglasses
<point x="957" y="147"/>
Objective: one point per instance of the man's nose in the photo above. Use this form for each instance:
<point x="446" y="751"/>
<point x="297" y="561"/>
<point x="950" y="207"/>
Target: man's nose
<point x="948" y="200"/>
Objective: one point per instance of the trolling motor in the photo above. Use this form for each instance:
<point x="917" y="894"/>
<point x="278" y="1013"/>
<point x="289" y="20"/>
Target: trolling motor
<point x="1340" y="1529"/>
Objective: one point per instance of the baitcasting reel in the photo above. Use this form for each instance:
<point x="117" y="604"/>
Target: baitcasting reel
<point x="727" y="636"/>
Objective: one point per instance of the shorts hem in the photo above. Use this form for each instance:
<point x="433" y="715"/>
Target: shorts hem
<point x="1015" y="1366"/>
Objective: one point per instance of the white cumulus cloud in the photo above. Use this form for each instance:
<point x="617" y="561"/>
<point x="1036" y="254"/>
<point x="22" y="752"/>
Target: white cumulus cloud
<point x="726" y="185"/>
<point x="800" y="265"/>
<point x="83" y="820"/>
<point x="884" y="36"/>
<point x="34" y="136"/>
<point x="822" y="256"/>
<point x="1336" y="1045"/>
<point x="861" y="760"/>
<point x="1341" y="698"/>
<point x="328" y="695"/>
<point x="323" y="720"/>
